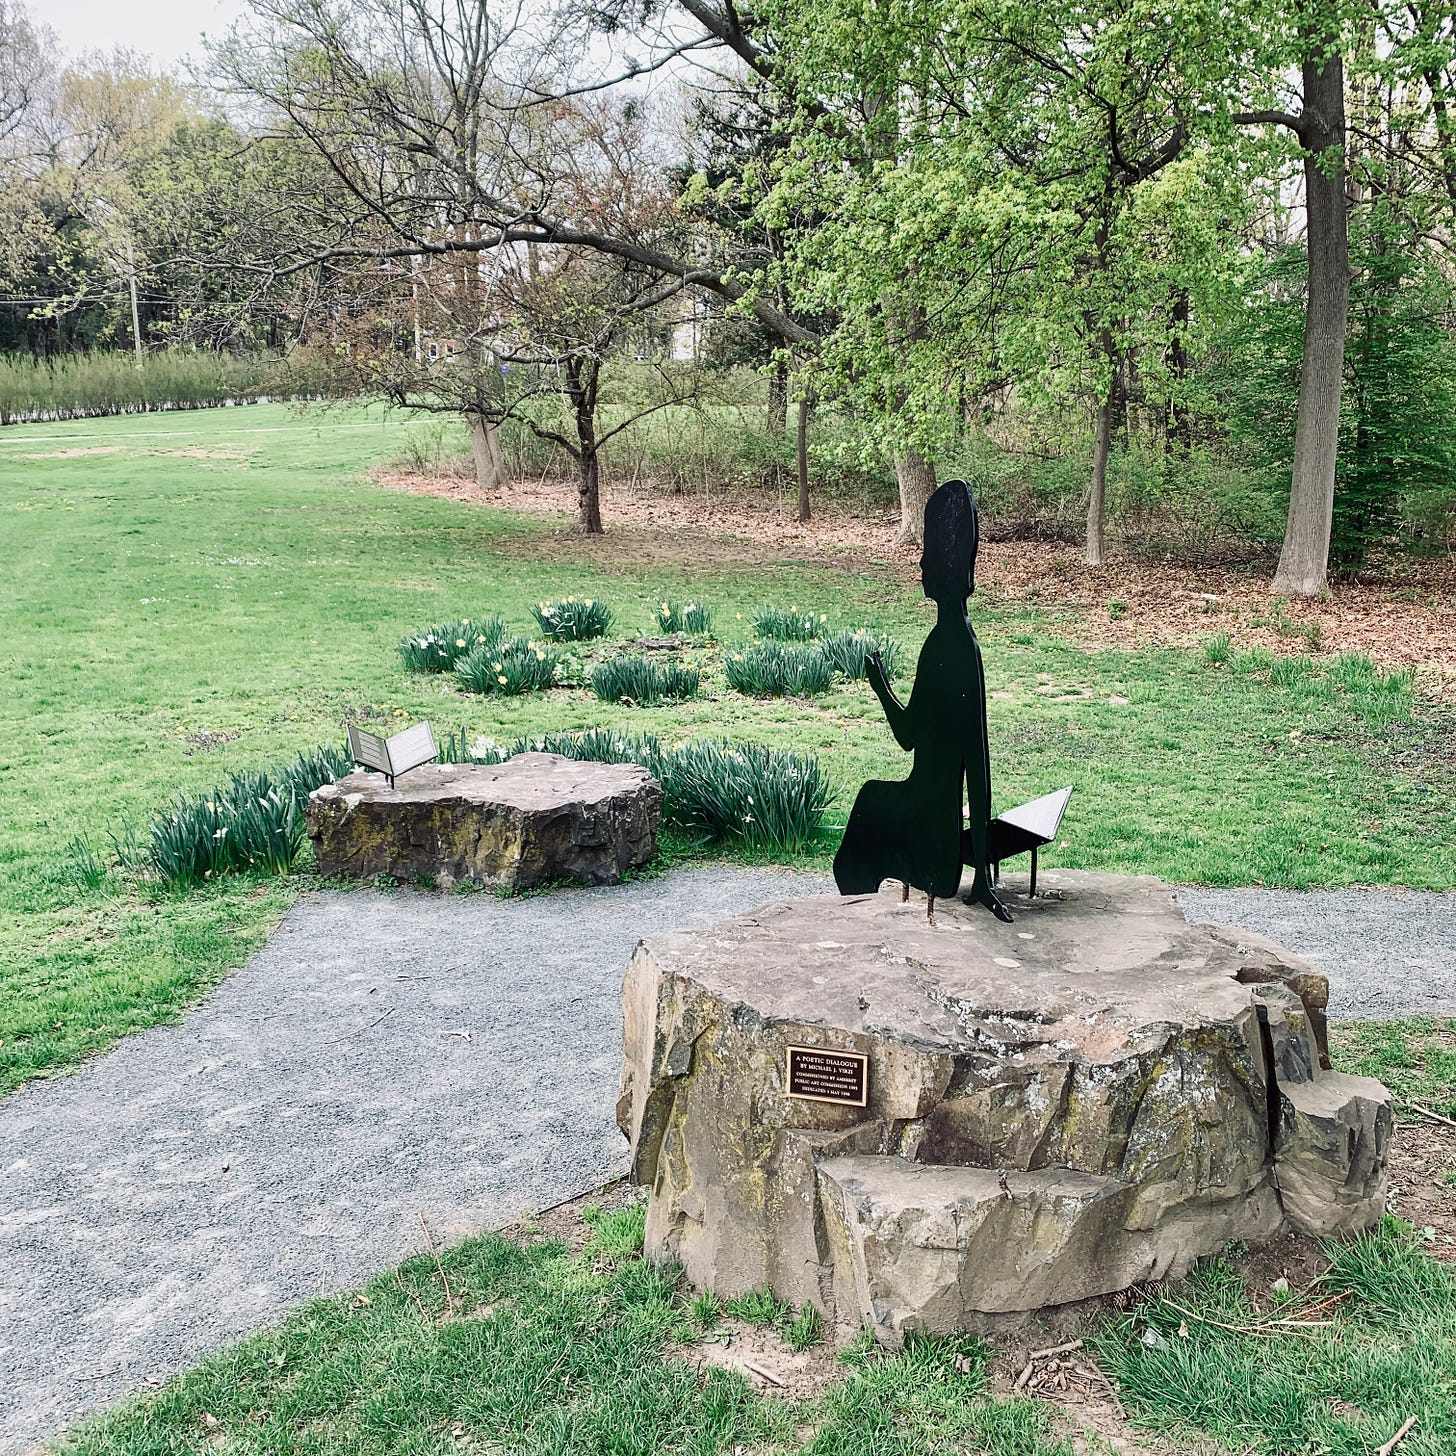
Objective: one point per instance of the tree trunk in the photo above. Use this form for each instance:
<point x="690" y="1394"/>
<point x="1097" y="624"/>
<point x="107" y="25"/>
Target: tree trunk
<point x="802" y="451"/>
<point x="485" y="447"/>
<point x="778" y="399"/>
<point x="1180" y="427"/>
<point x="1304" y="560"/>
<point x="582" y="376"/>
<point x="588" y="492"/>
<point x="1097" y="496"/>
<point x="1104" y="423"/>
<point x="916" y="476"/>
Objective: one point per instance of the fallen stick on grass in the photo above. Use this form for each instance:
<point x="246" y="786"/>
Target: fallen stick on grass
<point x="1426" y="1112"/>
<point x="1257" y="1327"/>
<point x="762" y="1373"/>
<point x="1043" y="1355"/>
<point x="1396" y="1439"/>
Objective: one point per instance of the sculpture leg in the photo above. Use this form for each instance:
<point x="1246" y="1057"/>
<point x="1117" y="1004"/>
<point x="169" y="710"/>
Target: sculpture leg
<point x="904" y="891"/>
<point x="1034" y="849"/>
<point x="982" y="892"/>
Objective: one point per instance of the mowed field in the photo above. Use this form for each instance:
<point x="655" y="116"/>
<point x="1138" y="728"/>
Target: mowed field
<point x="188" y="594"/>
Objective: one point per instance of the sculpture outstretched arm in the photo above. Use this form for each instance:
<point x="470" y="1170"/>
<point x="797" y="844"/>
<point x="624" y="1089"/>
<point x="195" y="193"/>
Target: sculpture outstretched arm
<point x="897" y="715"/>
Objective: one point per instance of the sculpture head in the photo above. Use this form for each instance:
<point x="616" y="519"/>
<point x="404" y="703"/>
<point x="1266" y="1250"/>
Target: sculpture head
<point x="952" y="534"/>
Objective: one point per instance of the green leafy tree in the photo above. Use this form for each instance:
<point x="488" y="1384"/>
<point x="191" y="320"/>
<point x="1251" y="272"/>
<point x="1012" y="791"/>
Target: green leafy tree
<point x="1396" y="471"/>
<point x="1007" y="193"/>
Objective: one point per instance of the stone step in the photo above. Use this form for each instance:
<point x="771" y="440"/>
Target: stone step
<point x="1330" y="1152"/>
<point x="928" y="1248"/>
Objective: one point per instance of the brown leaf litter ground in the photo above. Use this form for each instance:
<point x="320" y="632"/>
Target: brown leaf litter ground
<point x="1403" y="615"/>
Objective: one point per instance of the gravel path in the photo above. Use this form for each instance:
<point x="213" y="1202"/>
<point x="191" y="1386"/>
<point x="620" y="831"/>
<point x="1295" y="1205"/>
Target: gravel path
<point x="1387" y="952"/>
<point x="284" y="1140"/>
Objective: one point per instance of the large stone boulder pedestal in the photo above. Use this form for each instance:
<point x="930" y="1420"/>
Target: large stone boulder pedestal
<point x="1055" y="1110"/>
<point x="537" y="817"/>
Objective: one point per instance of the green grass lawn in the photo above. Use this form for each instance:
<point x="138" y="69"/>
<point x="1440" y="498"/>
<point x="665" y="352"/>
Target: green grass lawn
<point x="214" y="591"/>
<point x="525" y="1347"/>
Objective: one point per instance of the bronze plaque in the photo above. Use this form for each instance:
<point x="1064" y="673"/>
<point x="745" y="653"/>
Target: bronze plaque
<point x="817" y="1074"/>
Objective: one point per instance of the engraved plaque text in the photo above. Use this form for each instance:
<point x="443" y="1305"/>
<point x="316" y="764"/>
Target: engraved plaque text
<point x="819" y="1075"/>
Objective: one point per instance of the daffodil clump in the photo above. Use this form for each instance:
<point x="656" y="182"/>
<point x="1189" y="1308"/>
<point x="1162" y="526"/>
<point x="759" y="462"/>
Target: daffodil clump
<point x="643" y="682"/>
<point x="254" y="821"/>
<point x="789" y="624"/>
<point x="847" y="651"/>
<point x="745" y="793"/>
<point x="508" y="668"/>
<point x="713" y="791"/>
<point x="577" y="619"/>
<point x="692" y="619"/>
<point x="438" y="649"/>
<point x="773" y="669"/>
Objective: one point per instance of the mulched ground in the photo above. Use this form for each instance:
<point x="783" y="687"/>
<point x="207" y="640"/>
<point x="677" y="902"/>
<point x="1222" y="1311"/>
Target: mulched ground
<point x="1403" y="616"/>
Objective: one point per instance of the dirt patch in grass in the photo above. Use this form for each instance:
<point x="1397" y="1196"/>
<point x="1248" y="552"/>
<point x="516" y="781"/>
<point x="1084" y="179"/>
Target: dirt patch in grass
<point x="72" y="454"/>
<point x="564" y="1223"/>
<point x="764" y="1358"/>
<point x="1091" y="1414"/>
<point x="207" y="740"/>
<point x="1423" y="1183"/>
<point x="1404" y="615"/>
<point x="644" y="528"/>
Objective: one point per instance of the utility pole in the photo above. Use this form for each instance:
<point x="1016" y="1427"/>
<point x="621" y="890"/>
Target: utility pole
<point x="136" y="321"/>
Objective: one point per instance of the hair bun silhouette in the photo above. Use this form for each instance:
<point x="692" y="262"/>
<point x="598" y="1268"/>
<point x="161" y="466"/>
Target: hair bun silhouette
<point x="952" y="536"/>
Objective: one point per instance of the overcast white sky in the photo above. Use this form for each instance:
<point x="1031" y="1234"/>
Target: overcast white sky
<point x="166" y="29"/>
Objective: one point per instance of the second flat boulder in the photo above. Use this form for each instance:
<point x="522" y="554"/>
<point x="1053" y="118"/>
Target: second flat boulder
<point x="536" y="818"/>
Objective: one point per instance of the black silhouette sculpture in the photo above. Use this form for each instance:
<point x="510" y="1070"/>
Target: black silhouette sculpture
<point x="915" y="831"/>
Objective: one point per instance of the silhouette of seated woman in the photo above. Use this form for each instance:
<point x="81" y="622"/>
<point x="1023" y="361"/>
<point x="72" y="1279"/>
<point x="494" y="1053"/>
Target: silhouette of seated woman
<point x="913" y="831"/>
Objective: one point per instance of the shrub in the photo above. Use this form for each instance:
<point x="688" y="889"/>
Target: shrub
<point x="789" y="624"/>
<point x="1218" y="650"/>
<point x="847" y="651"/>
<point x="772" y="669"/>
<point x="691" y="618"/>
<point x="642" y="681"/>
<point x="438" y="649"/>
<point x="745" y="793"/>
<point x="79" y="386"/>
<point x="315" y="767"/>
<point x="573" y="620"/>
<point x="251" y="823"/>
<point x="507" y="668"/>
